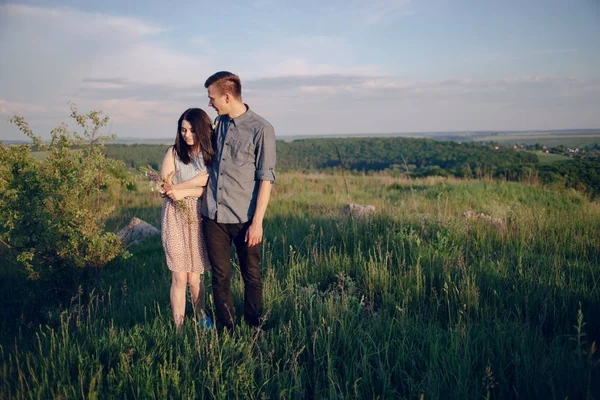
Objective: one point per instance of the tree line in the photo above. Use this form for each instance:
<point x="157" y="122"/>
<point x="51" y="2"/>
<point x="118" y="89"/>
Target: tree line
<point x="416" y="157"/>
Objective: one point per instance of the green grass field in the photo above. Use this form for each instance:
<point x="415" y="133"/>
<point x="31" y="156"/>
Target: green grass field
<point x="547" y="158"/>
<point x="415" y="301"/>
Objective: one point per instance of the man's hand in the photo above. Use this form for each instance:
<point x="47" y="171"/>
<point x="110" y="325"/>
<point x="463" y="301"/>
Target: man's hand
<point x="201" y="179"/>
<point x="254" y="234"/>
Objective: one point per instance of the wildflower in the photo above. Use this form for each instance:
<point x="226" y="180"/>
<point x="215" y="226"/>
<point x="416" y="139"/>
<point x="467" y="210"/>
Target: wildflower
<point x="162" y="184"/>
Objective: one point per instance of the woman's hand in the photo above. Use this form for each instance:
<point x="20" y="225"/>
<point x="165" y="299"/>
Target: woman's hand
<point x="164" y="188"/>
<point x="175" y="194"/>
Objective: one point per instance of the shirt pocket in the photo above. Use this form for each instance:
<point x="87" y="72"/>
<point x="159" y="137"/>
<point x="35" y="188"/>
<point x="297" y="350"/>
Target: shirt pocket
<point x="241" y="152"/>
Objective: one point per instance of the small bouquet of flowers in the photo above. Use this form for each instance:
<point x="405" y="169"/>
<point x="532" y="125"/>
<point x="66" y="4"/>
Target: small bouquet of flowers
<point x="162" y="184"/>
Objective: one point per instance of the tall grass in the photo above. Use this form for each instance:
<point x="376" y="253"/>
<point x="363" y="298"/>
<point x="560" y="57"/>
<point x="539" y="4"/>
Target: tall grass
<point x="417" y="300"/>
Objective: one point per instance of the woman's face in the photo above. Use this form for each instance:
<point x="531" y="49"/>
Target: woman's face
<point x="187" y="133"/>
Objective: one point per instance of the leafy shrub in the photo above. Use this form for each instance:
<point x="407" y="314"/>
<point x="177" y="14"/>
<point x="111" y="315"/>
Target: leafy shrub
<point x="52" y="210"/>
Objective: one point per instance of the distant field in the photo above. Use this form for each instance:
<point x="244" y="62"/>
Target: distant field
<point x="550" y="139"/>
<point x="546" y="158"/>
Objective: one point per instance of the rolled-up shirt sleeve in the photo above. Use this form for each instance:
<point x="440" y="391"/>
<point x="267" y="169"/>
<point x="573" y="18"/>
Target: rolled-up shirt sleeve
<point x="265" y="155"/>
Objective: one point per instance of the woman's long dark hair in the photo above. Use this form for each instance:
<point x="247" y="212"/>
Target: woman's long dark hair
<point x="203" y="131"/>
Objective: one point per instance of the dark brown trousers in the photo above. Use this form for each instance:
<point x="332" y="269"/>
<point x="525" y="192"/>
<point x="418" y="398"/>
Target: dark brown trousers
<point x="218" y="243"/>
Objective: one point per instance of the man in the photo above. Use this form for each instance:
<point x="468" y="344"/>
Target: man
<point x="237" y="196"/>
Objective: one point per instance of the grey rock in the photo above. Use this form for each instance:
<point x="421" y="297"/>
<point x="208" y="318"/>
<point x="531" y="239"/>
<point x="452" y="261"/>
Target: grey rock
<point x="358" y="210"/>
<point x="497" y="222"/>
<point x="136" y="231"/>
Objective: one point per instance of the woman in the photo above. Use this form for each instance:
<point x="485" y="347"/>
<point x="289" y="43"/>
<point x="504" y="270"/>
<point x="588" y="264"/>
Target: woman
<point x="185" y="166"/>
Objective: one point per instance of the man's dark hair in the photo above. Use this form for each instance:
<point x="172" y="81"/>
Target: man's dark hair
<point x="227" y="82"/>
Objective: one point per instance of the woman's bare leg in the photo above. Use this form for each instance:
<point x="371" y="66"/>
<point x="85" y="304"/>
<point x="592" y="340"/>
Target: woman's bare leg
<point x="197" y="289"/>
<point x="178" y="286"/>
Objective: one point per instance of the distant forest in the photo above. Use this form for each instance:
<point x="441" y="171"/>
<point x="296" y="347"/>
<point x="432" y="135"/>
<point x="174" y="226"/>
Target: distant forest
<point x="421" y="157"/>
<point x="137" y="155"/>
<point x="417" y="157"/>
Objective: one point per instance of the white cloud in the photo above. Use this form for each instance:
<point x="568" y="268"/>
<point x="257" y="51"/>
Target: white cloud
<point x="13" y="107"/>
<point x="51" y="51"/>
<point x="55" y="55"/>
<point x="554" y="51"/>
<point x="304" y="84"/>
<point x="85" y="23"/>
<point x="104" y="84"/>
<point x="385" y="84"/>
<point x="50" y="60"/>
<point x="376" y="11"/>
<point x="319" y="89"/>
<point x="341" y="13"/>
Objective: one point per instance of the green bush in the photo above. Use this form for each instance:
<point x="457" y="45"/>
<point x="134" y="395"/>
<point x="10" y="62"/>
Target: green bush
<point x="53" y="210"/>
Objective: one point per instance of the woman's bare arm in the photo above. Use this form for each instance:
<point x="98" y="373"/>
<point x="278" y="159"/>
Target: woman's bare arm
<point x="168" y="164"/>
<point x="178" y="194"/>
<point x="199" y="180"/>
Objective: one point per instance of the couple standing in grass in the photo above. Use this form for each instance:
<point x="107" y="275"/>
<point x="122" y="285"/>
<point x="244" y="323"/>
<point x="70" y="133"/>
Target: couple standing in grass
<point x="223" y="175"/>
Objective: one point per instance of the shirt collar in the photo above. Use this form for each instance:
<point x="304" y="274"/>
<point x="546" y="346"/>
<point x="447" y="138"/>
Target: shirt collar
<point x="241" y="118"/>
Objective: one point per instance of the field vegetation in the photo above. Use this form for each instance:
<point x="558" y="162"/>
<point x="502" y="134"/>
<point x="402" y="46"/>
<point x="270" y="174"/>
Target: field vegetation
<point x="416" y="300"/>
<point x="458" y="287"/>
<point x="418" y="158"/>
<point x="548" y="158"/>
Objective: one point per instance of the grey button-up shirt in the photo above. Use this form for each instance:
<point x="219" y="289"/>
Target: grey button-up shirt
<point x="245" y="155"/>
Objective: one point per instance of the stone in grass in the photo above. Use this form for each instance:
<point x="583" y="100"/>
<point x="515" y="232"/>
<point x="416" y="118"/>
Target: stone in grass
<point x="136" y="231"/>
<point x="358" y="210"/>
<point x="497" y="222"/>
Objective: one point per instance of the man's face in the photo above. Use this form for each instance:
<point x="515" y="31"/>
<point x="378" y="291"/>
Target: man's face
<point x="217" y="100"/>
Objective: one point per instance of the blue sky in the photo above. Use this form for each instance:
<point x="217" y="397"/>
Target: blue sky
<point x="312" y="67"/>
